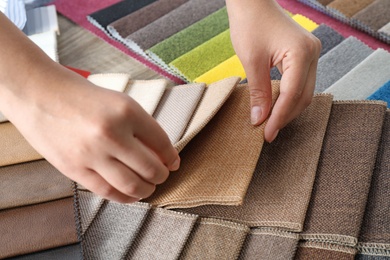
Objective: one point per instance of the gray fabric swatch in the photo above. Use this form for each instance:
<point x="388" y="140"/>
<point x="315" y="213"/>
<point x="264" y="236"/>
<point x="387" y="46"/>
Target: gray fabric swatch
<point x="371" y="257"/>
<point x="339" y="61"/>
<point x="90" y="205"/>
<point x="72" y="252"/>
<point x="364" y="79"/>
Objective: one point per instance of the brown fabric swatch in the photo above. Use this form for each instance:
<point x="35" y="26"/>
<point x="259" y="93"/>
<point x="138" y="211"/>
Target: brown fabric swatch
<point x="348" y="7"/>
<point x="39" y="227"/>
<point x="324" y="251"/>
<point x="374" y="16"/>
<point x="162" y="236"/>
<point x="32" y="183"/>
<point x="281" y="187"/>
<point x="218" y="164"/>
<point x="269" y="243"/>
<point x="14" y="148"/>
<point x="344" y="172"/>
<point x="215" y="239"/>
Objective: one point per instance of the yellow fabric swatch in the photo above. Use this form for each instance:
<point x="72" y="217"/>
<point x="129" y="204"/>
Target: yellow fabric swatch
<point x="305" y="22"/>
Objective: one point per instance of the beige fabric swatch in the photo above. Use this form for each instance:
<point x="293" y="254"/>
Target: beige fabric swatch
<point x="112" y="81"/>
<point x="14" y="148"/>
<point x="89" y="207"/>
<point x="311" y="250"/>
<point x="31" y="183"/>
<point x="147" y="93"/>
<point x="215" y="239"/>
<point x="2" y="118"/>
<point x="213" y="98"/>
<point x="176" y="108"/>
<point x="218" y="164"/>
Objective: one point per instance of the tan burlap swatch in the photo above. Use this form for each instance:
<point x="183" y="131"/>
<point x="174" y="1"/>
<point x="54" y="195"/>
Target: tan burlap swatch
<point x="162" y="236"/>
<point x="31" y="183"/>
<point x="89" y="207"/>
<point x="113" y="230"/>
<point x="324" y="251"/>
<point x="344" y="172"/>
<point x="38" y="227"/>
<point x="215" y="239"/>
<point x="218" y="164"/>
<point x="280" y="190"/>
<point x="112" y="81"/>
<point x="269" y="243"/>
<point x="14" y="148"/>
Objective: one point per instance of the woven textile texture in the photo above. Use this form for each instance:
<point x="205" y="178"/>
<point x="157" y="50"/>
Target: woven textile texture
<point x="112" y="81"/>
<point x="31" y="183"/>
<point x="339" y="61"/>
<point x="113" y="230"/>
<point x="73" y="252"/>
<point x="375" y="15"/>
<point x="224" y="240"/>
<point x="269" y="243"/>
<point x="323" y="251"/>
<point x="89" y="205"/>
<point x="364" y="79"/>
<point x="162" y="236"/>
<point x="348" y="7"/>
<point x="176" y="108"/>
<point x="339" y="195"/>
<point x="370" y="257"/>
<point x="14" y="148"/>
<point x="39" y="227"/>
<point x="383" y="93"/>
<point x="280" y="190"/>
<point x="329" y="38"/>
<point x="234" y="146"/>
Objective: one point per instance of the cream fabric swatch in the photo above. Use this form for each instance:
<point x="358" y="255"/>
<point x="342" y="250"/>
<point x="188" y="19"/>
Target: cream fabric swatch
<point x="14" y="148"/>
<point x="112" y="81"/>
<point x="2" y="118"/>
<point x="89" y="207"/>
<point x="214" y="96"/>
<point x="217" y="166"/>
<point x="47" y="41"/>
<point x="176" y="108"/>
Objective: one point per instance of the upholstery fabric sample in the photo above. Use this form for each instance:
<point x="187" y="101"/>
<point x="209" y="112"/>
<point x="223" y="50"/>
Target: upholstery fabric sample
<point x="113" y="231"/>
<point x="204" y="57"/>
<point x="47" y="41"/>
<point x="329" y="38"/>
<point x="324" y="251"/>
<point x="39" y="227"/>
<point x="40" y="20"/>
<point x="102" y="18"/>
<point x="375" y="15"/>
<point x="147" y="93"/>
<point x="305" y="22"/>
<point x="15" y="11"/>
<point x="162" y="236"/>
<point x="2" y="118"/>
<point x="31" y="183"/>
<point x="370" y="257"/>
<point x="112" y="81"/>
<point x="215" y="239"/>
<point x="339" y="195"/>
<point x="280" y="190"/>
<point x="14" y="148"/>
<point x="90" y="205"/>
<point x="218" y="164"/>
<point x="385" y="29"/>
<point x="364" y="79"/>
<point x="228" y="68"/>
<point x="71" y="252"/>
<point x="339" y="61"/>
<point x="348" y="7"/>
<point x="190" y="37"/>
<point x="214" y="96"/>
<point x="383" y="93"/>
<point x="176" y="108"/>
<point x="175" y="21"/>
<point x="269" y="243"/>
<point x="128" y="24"/>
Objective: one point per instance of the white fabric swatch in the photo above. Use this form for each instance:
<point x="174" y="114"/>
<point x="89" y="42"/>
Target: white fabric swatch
<point x="16" y="12"/>
<point x="47" y="41"/>
<point x="112" y="81"/>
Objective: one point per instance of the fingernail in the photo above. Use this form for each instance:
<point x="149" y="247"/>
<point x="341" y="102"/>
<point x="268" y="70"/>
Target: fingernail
<point x="274" y="135"/>
<point x="256" y="115"/>
<point x="175" y="166"/>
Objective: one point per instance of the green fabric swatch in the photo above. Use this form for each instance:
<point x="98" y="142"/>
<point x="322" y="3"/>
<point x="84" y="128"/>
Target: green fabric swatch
<point x="191" y="37"/>
<point x="204" y="57"/>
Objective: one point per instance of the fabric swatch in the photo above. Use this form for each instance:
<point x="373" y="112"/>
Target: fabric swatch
<point x="214" y="96"/>
<point x="112" y="81"/>
<point x="81" y="72"/>
<point x="102" y="18"/>
<point x="204" y="57"/>
<point x="383" y="93"/>
<point x="228" y="68"/>
<point x="310" y="250"/>
<point x="329" y="38"/>
<point x="71" y="252"/>
<point x="305" y="22"/>
<point x="2" y="118"/>
<point x="132" y="22"/>
<point x="385" y="29"/>
<point x="374" y="16"/>
<point x="339" y="195"/>
<point x="190" y="37"/>
<point x="31" y="183"/>
<point x="16" y="12"/>
<point x="113" y="231"/>
<point x="40" y="20"/>
<point x="370" y="257"/>
<point x="176" y="108"/>
<point x="349" y="8"/>
<point x="224" y="240"/>
<point x="90" y="205"/>
<point x="14" y="148"/>
<point x="47" y="41"/>
<point x="269" y="243"/>
<point x="339" y="61"/>
<point x="3" y="5"/>
<point x="172" y="23"/>
<point x="147" y="93"/>
<point x="162" y="236"/>
<point x="234" y="146"/>
<point x="39" y="227"/>
<point x="364" y="79"/>
<point x="280" y="190"/>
